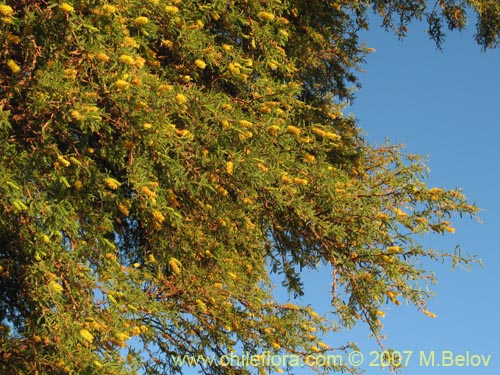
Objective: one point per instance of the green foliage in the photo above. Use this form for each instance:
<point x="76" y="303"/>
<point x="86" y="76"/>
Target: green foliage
<point x="158" y="158"/>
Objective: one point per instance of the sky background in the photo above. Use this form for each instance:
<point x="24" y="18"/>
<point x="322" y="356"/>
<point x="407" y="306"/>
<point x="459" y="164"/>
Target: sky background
<point x="444" y="105"/>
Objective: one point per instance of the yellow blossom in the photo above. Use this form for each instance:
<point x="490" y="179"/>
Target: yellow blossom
<point x="227" y="47"/>
<point x="171" y="9"/>
<point x="102" y="57"/>
<point x="112" y="183"/>
<point x="151" y="194"/>
<point x="181" y="99"/>
<point x="66" y="8"/>
<point x="393" y="249"/>
<point x="86" y="335"/>
<point x="293" y="130"/>
<point x="229" y="167"/>
<point x="429" y="314"/>
<point x="70" y="73"/>
<point x="265" y="16"/>
<point x="300" y="181"/>
<point x="108" y="9"/>
<point x="201" y="305"/>
<point x="380" y="313"/>
<point x="449" y="229"/>
<point x="13" y="66"/>
<point x="175" y="265"/>
<point x="273" y="130"/>
<point x="78" y="185"/>
<point x="141" y="21"/>
<point x="129" y="42"/>
<point x="200" y="64"/>
<point x="245" y="123"/>
<point x="6" y="10"/>
<point x="98" y="364"/>
<point x="232" y="275"/>
<point x="126" y="59"/>
<point x="122" y="84"/>
<point x="158" y="216"/>
<point x="123" y="209"/>
<point x="275" y="345"/>
<point x="286" y="179"/>
<point x="63" y="161"/>
<point x="56" y="287"/>
<point x="122" y="336"/>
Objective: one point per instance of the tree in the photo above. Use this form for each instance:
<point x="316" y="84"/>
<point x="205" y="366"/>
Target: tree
<point x="159" y="159"/>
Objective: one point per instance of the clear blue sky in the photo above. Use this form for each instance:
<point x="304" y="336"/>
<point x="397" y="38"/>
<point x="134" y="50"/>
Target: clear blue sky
<point x="445" y="105"/>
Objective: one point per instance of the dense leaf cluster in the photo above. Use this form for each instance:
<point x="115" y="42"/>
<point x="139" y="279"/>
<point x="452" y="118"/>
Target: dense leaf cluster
<point x="159" y="158"/>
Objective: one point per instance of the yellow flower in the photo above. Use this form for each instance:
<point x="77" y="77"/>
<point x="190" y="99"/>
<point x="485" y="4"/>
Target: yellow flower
<point x="171" y="9"/>
<point x="112" y="183"/>
<point x="129" y="42"/>
<point x="201" y="305"/>
<point x="102" y="57"/>
<point x="13" y="66"/>
<point x="380" y="313"/>
<point x="265" y="16"/>
<point x="6" y="10"/>
<point x="234" y="68"/>
<point x="126" y="59"/>
<point x="158" y="216"/>
<point x="67" y="8"/>
<point x="151" y="194"/>
<point x="323" y="345"/>
<point x="151" y="258"/>
<point x="70" y="73"/>
<point x="63" y="161"/>
<point x="200" y="64"/>
<point x="227" y="47"/>
<point x="309" y="158"/>
<point x="429" y="314"/>
<point x="286" y="179"/>
<point x="293" y="130"/>
<point x="135" y="331"/>
<point x="108" y="9"/>
<point x="123" y="209"/>
<point x="300" y="181"/>
<point x="78" y="185"/>
<point x="275" y="345"/>
<point x="165" y="87"/>
<point x="121" y="84"/>
<point x="181" y="99"/>
<point x="141" y="21"/>
<point x="332" y="136"/>
<point x="273" y="130"/>
<point x="175" y="265"/>
<point x="221" y="190"/>
<point x="318" y="131"/>
<point x="86" y="335"/>
<point x="449" y="229"/>
<point x="139" y="61"/>
<point x="122" y="336"/>
<point x="56" y="287"/>
<point x="245" y="123"/>
<point x="232" y="275"/>
<point x="393" y="249"/>
<point x="229" y="167"/>
<point x="98" y="364"/>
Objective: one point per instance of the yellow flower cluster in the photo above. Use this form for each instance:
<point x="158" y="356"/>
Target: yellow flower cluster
<point x="6" y="10"/>
<point x="13" y="66"/>
<point x="66" y="8"/>
<point x="175" y="265"/>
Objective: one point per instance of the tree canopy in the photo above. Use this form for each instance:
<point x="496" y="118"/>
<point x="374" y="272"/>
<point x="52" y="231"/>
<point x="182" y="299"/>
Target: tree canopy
<point x="159" y="159"/>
